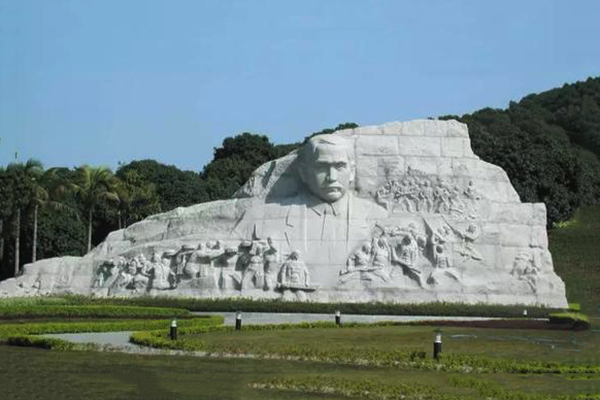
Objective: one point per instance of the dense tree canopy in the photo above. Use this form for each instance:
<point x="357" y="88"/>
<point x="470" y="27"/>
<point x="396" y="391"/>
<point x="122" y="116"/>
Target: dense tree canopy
<point x="548" y="144"/>
<point x="174" y="187"/>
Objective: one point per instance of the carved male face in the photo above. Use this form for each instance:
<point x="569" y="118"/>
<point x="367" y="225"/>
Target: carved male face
<point x="326" y="168"/>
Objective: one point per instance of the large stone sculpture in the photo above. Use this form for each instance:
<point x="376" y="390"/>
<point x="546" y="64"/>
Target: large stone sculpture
<point x="403" y="212"/>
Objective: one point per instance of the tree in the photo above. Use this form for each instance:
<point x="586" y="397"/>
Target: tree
<point x="91" y="186"/>
<point x="234" y="162"/>
<point x="137" y="198"/>
<point x="173" y="187"/>
<point x="48" y="189"/>
<point x="20" y="181"/>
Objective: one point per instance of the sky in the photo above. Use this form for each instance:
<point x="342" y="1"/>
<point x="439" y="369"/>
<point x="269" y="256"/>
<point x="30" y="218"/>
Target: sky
<point x="104" y="82"/>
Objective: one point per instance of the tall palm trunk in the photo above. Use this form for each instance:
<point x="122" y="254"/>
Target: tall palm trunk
<point x="1" y="241"/>
<point x="17" y="242"/>
<point x="35" y="228"/>
<point x="89" y="246"/>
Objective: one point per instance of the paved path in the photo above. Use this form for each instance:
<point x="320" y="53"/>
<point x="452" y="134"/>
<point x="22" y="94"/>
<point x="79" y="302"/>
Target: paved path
<point x="120" y="340"/>
<point x="256" y="318"/>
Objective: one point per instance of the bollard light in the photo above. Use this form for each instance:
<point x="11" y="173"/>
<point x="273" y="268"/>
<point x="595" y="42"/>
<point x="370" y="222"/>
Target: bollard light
<point x="338" y="318"/>
<point x="437" y="344"/>
<point x="238" y="321"/>
<point x="174" y="330"/>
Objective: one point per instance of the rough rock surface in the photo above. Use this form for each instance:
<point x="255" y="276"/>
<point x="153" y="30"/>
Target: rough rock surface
<point x="402" y="212"/>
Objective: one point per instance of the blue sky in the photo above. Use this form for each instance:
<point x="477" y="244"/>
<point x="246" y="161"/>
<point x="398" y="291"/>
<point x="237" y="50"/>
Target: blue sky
<point x="103" y="82"/>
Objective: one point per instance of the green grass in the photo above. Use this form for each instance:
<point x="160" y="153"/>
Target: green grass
<point x="25" y="311"/>
<point x="575" y="250"/>
<point x="523" y="345"/>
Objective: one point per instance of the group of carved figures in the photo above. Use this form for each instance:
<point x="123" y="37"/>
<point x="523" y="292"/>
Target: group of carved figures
<point x="406" y="251"/>
<point x="211" y="265"/>
<point x="419" y="193"/>
<point x="399" y="250"/>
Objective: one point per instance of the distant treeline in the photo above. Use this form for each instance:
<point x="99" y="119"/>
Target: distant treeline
<point x="548" y="143"/>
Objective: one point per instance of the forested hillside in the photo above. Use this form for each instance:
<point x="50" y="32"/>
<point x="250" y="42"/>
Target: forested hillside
<point x="548" y="143"/>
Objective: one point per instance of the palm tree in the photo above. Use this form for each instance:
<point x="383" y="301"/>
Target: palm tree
<point x="48" y="188"/>
<point x="24" y="183"/>
<point x="92" y="185"/>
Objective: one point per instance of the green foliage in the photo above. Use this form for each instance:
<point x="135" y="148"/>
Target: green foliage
<point x="371" y="389"/>
<point x="388" y="358"/>
<point x="174" y="187"/>
<point x="137" y="198"/>
<point x="250" y="305"/>
<point x="548" y="144"/>
<point x="42" y="343"/>
<point x="577" y="320"/>
<point x="20" y="329"/>
<point x="69" y="311"/>
<point x="93" y="186"/>
<point x="326" y="131"/>
<point x="576" y="257"/>
<point x="234" y="162"/>
<point x="352" y="388"/>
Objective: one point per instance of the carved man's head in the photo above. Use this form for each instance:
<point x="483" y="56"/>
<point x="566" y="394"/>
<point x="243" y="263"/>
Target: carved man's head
<point x="326" y="168"/>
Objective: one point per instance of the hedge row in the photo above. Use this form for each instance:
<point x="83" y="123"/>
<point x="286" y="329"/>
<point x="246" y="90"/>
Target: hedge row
<point x="395" y="358"/>
<point x="11" y="330"/>
<point x="20" y="311"/>
<point x="368" y="389"/>
<point x="249" y="305"/>
<point x="576" y="320"/>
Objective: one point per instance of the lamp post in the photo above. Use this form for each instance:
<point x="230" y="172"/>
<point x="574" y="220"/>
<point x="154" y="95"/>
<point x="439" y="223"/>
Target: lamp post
<point x="174" y="330"/>
<point x="238" y="321"/>
<point x="437" y="344"/>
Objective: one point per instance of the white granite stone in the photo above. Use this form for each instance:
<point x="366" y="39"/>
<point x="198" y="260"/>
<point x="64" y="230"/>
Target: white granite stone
<point x="402" y="212"/>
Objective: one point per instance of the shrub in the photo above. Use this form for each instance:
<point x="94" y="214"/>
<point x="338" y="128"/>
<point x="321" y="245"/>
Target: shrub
<point x="576" y="320"/>
<point x="90" y="311"/>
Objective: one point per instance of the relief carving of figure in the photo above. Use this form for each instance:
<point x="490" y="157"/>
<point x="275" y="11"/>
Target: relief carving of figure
<point x="229" y="277"/>
<point x="140" y="278"/>
<point x="183" y="268"/>
<point x="469" y="236"/>
<point x="104" y="273"/>
<point x="525" y="269"/>
<point x="254" y="276"/>
<point x="421" y="193"/>
<point x="271" y="257"/>
<point x="294" y="274"/>
<point x="162" y="274"/>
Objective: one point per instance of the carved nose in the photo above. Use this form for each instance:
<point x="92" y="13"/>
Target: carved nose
<point x="332" y="175"/>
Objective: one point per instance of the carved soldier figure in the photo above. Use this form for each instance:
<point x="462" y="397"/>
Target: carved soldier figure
<point x="525" y="269"/>
<point x="271" y="257"/>
<point x="380" y="258"/>
<point x="104" y="273"/>
<point x="468" y="237"/>
<point x="254" y="273"/>
<point x="181" y="260"/>
<point x="294" y="272"/>
<point x="141" y="278"/>
<point x="161" y="272"/>
<point x="360" y="259"/>
<point x="229" y="278"/>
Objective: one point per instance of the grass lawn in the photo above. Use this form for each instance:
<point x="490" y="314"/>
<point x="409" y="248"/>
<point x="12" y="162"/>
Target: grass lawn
<point x="575" y="249"/>
<point x="526" y="345"/>
<point x="40" y="374"/>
